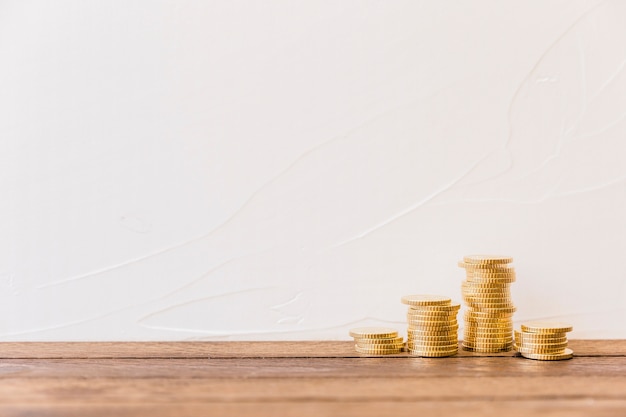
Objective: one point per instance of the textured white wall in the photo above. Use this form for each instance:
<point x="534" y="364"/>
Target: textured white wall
<point x="287" y="170"/>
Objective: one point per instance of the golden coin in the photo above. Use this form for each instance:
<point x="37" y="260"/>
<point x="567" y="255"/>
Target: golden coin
<point x="432" y="321"/>
<point x="487" y="332"/>
<point x="449" y="307"/>
<point x="504" y="295"/>
<point x="487" y="259"/>
<point x="433" y="342"/>
<point x="373" y="333"/>
<point x="376" y="346"/>
<point x="449" y="336"/>
<point x="421" y="348"/>
<point x="486" y="285"/>
<point x="487" y="350"/>
<point x="377" y="351"/>
<point x="495" y="304"/>
<point x="490" y="273"/>
<point x="498" y="291"/>
<point x="487" y="338"/>
<point x="425" y="300"/>
<point x="430" y="354"/>
<point x="484" y="345"/>
<point x="567" y="354"/>
<point x="546" y="327"/>
<point x="430" y="313"/>
<point x="433" y="326"/>
<point x="545" y="338"/>
<point x="412" y="334"/>
<point x="500" y="268"/>
<point x="508" y="310"/>
<point x="475" y="314"/>
<point x="485" y="280"/>
<point x="445" y="316"/>
<point x="390" y="341"/>
<point x="547" y="350"/>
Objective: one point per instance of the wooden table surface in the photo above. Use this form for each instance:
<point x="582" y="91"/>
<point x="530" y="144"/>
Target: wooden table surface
<point x="302" y="379"/>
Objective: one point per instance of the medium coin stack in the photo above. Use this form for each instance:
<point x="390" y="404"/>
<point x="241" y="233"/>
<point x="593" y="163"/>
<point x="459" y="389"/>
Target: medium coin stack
<point x="486" y="292"/>
<point x="543" y="340"/>
<point x="433" y="328"/>
<point x="377" y="340"/>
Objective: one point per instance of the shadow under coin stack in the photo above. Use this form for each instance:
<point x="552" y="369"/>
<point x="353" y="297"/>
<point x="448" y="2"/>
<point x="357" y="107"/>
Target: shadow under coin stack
<point x="433" y="328"/>
<point x="377" y="340"/>
<point x="487" y="294"/>
<point x="543" y="340"/>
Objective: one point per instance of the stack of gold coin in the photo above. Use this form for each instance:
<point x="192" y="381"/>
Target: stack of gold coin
<point x="486" y="292"/>
<point x="543" y="340"/>
<point x="433" y="329"/>
<point x="377" y="340"/>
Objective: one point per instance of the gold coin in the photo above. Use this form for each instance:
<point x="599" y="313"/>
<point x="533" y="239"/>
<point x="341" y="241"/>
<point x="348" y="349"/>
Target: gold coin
<point x="496" y="304"/>
<point x="390" y="341"/>
<point x="377" y="351"/>
<point x="486" y="338"/>
<point x="436" y="337"/>
<point x="489" y="331"/>
<point x="508" y="310"/>
<point x="567" y="354"/>
<point x="445" y="316"/>
<point x="546" y="327"/>
<point x="540" y="338"/>
<point x="449" y="307"/>
<point x="432" y="322"/>
<point x="488" y="327"/>
<point x="486" y="267"/>
<point x="430" y="313"/>
<point x="490" y="280"/>
<point x="412" y="334"/>
<point x="487" y="350"/>
<point x="485" y="291"/>
<point x="433" y="348"/>
<point x="433" y="326"/>
<point x="500" y="295"/>
<point x="486" y="286"/>
<point x="373" y="333"/>
<point x="377" y="346"/>
<point x="490" y="273"/>
<point x="546" y="350"/>
<point x="474" y="314"/>
<point x="487" y="259"/>
<point x="430" y="354"/>
<point x="433" y="342"/>
<point x="425" y="300"/>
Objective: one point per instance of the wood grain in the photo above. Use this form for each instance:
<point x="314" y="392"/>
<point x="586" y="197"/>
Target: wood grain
<point x="239" y="349"/>
<point x="301" y="378"/>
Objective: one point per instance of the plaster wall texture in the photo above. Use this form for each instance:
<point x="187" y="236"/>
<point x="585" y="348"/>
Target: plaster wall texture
<point x="237" y="170"/>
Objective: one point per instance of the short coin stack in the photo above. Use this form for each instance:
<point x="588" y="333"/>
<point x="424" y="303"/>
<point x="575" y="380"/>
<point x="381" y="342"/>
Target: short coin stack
<point x="433" y="328"/>
<point x="544" y="341"/>
<point x="486" y="292"/>
<point x="377" y="340"/>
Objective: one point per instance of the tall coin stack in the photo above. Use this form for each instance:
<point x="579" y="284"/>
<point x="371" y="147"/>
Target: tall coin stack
<point x="377" y="341"/>
<point x="487" y="295"/>
<point x="433" y="328"/>
<point x="543" y="340"/>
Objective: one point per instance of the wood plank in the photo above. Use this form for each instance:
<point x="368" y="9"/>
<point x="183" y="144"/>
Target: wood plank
<point x="405" y="367"/>
<point x="309" y="349"/>
<point x="579" y="407"/>
<point x="68" y="391"/>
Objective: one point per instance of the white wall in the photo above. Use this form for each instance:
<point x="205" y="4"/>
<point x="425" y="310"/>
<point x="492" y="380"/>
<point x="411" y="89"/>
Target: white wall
<point x="287" y="170"/>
